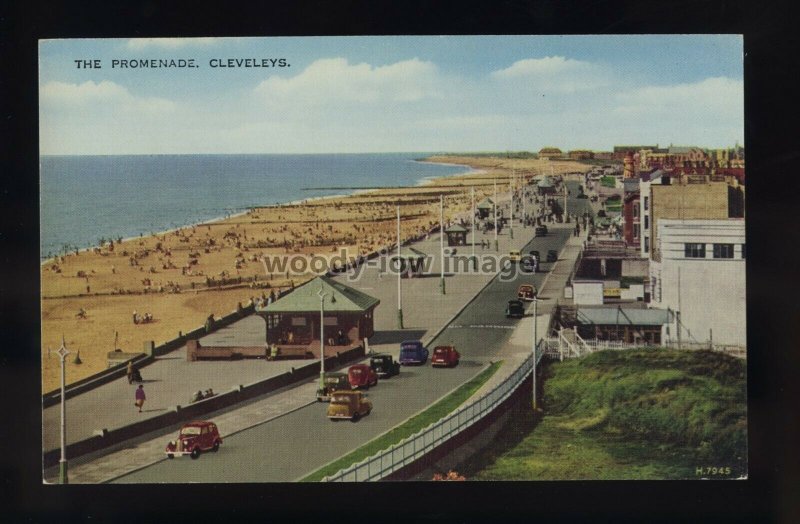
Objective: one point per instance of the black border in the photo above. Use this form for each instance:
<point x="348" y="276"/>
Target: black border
<point x="772" y="152"/>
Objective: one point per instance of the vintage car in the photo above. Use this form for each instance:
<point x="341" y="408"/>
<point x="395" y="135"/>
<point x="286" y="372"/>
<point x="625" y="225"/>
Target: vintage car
<point x="527" y="264"/>
<point x="349" y="405"/>
<point x="515" y="308"/>
<point x="332" y="382"/>
<point x="195" y="437"/>
<point x="362" y="376"/>
<point x="446" y="356"/>
<point x="552" y="255"/>
<point x="413" y="352"/>
<point x="526" y="292"/>
<point x="384" y="365"/>
<point x="514" y="255"/>
<point x="541" y="231"/>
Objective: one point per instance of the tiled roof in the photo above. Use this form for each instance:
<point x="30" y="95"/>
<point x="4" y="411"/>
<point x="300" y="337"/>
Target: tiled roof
<point x="339" y="298"/>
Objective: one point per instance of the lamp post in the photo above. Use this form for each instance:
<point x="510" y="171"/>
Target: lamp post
<point x="511" y="191"/>
<point x="533" y="350"/>
<point x="399" y="274"/>
<point x="441" y="243"/>
<point x="524" y="187"/>
<point x="321" y="337"/>
<point x="496" y="244"/>
<point x="63" y="478"/>
<point x="474" y="260"/>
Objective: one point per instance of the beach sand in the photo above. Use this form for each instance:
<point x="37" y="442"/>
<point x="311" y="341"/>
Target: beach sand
<point x="181" y="277"/>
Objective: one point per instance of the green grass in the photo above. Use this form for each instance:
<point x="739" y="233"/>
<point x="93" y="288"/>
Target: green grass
<point x="636" y="414"/>
<point x="411" y="426"/>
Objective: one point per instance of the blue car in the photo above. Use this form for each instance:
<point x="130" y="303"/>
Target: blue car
<point x="413" y="352"/>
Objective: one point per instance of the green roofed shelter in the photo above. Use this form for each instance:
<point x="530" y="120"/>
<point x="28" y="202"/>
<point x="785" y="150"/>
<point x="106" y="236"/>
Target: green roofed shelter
<point x="485" y="207"/>
<point x="456" y="235"/>
<point x="545" y="186"/>
<point x="293" y="320"/>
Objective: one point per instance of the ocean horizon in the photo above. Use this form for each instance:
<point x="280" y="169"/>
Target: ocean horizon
<point x="86" y="198"/>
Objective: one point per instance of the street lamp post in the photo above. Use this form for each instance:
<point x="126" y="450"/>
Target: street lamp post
<point x="496" y="244"/>
<point x="441" y="243"/>
<point x="321" y="337"/>
<point x="511" y="191"/>
<point x="474" y="260"/>
<point x="63" y="477"/>
<point x="533" y="350"/>
<point x="399" y="274"/>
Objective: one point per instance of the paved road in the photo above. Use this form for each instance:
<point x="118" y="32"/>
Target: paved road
<point x="298" y="443"/>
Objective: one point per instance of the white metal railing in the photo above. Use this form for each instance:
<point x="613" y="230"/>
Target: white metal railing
<point x="414" y="447"/>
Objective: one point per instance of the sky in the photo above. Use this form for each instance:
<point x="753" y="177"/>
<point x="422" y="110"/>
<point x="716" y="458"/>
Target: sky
<point x="391" y="94"/>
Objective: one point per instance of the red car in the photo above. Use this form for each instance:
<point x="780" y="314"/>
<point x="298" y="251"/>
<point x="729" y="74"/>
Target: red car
<point x="194" y="437"/>
<point x="361" y="375"/>
<point x="445" y="356"/>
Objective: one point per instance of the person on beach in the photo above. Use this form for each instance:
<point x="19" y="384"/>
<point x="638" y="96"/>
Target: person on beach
<point x="140" y="397"/>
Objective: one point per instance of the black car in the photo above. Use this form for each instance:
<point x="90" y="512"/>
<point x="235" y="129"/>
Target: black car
<point x="384" y="365"/>
<point x="541" y="231"/>
<point x="552" y="255"/>
<point x="527" y="265"/>
<point x="515" y="309"/>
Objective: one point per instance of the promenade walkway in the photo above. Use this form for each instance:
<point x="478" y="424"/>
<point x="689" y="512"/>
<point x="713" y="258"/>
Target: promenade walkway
<point x="171" y="379"/>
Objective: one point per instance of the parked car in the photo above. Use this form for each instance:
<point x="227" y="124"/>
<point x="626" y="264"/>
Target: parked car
<point x="361" y="376"/>
<point x="552" y="255"/>
<point x="527" y="265"/>
<point x="446" y="356"/>
<point x="331" y="383"/>
<point x="515" y="309"/>
<point x="193" y="438"/>
<point x="413" y="352"/>
<point x="514" y="255"/>
<point x="526" y="292"/>
<point x="384" y="365"/>
<point x="349" y="405"/>
<point x="541" y="231"/>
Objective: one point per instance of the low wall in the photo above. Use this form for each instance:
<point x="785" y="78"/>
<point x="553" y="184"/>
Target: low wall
<point x="180" y="414"/>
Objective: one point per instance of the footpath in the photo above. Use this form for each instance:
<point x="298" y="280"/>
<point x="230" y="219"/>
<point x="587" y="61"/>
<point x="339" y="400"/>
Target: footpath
<point x="171" y="380"/>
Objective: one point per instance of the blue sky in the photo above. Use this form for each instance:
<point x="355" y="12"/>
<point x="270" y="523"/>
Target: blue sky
<point x="384" y="94"/>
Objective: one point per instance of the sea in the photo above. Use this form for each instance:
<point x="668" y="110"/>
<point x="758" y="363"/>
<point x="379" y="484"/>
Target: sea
<point x="88" y="198"/>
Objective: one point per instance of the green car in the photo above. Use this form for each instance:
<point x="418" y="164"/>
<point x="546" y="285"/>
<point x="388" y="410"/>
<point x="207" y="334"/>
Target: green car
<point x="384" y="365"/>
<point x="331" y="383"/>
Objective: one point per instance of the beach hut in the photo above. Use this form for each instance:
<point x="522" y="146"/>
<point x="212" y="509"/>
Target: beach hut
<point x="293" y="321"/>
<point x="456" y="235"/>
<point x="411" y="262"/>
<point x="485" y="207"/>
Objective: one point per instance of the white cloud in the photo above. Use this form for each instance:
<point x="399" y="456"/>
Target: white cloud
<point x="335" y="80"/>
<point x="65" y="96"/>
<point x="553" y="74"/>
<point x="137" y="44"/>
<point x="719" y="95"/>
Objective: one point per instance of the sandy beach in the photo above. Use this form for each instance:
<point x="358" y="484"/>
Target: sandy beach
<point x="181" y="276"/>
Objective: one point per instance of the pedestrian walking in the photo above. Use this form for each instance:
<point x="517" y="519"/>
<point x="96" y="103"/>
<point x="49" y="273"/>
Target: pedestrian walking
<point x="140" y="397"/>
<point x="130" y="372"/>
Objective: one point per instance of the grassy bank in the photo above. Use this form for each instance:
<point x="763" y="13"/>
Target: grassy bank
<point x="637" y="414"/>
<point x="411" y="426"/>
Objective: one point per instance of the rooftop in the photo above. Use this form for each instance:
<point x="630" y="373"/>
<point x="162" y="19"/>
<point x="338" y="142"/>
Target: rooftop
<point x="605" y="316"/>
<point x="339" y="298"/>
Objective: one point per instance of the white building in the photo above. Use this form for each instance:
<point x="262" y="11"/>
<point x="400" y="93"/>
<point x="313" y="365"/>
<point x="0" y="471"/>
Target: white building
<point x="699" y="271"/>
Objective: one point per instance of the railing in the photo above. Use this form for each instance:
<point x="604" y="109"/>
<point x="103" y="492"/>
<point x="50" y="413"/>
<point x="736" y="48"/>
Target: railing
<point x="414" y="447"/>
<point x="559" y="347"/>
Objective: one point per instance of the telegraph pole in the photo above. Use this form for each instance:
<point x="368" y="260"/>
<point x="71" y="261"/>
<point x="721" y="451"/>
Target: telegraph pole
<point x="321" y="337"/>
<point x="533" y="351"/>
<point x="474" y="260"/>
<point x="511" y="188"/>
<point x="496" y="244"/>
<point x="63" y="477"/>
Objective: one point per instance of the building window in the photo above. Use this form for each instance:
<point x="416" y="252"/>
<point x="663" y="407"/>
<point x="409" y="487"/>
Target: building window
<point x="694" y="250"/>
<point x="723" y="250"/>
<point x="635" y="211"/>
<point x="647" y="222"/>
<point x="743" y="251"/>
<point x="647" y="243"/>
<point x="645" y="203"/>
<point x="636" y="231"/>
